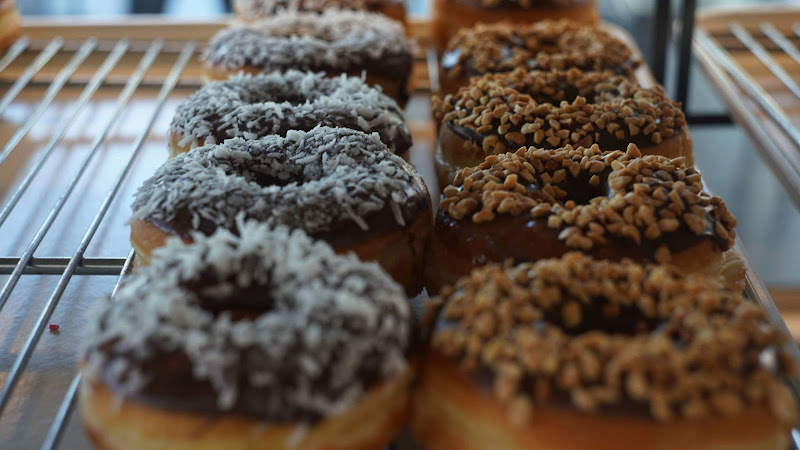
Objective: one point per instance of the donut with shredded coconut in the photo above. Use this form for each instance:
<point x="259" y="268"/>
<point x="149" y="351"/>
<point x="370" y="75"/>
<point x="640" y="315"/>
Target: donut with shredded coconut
<point x="502" y="112"/>
<point x="251" y="107"/>
<point x="338" y="185"/>
<point x="577" y="353"/>
<point x="335" y="42"/>
<point x="258" y="338"/>
<point x="452" y="16"/>
<point x="252" y="10"/>
<point x="546" y="45"/>
<point x="539" y="203"/>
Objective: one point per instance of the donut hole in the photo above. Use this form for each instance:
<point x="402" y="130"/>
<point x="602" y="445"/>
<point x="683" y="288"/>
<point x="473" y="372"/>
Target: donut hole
<point x="581" y="189"/>
<point x="232" y="294"/>
<point x="599" y="315"/>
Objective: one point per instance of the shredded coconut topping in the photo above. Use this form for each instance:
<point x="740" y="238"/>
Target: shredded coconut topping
<point x="259" y="9"/>
<point x="545" y="45"/>
<point x="333" y="40"/>
<point x="321" y="325"/>
<point x="309" y="180"/>
<point x="600" y="334"/>
<point x="254" y="106"/>
<point x="630" y="196"/>
<point x="558" y="108"/>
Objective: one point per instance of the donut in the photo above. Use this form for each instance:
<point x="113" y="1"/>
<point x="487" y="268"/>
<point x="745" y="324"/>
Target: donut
<point x="576" y="353"/>
<point x="334" y="41"/>
<point x="251" y="10"/>
<point x="338" y="185"/>
<point x="261" y="338"/>
<point x="251" y="107"/>
<point x="546" y="45"/>
<point x="450" y="16"/>
<point x="539" y="203"/>
<point x="502" y="112"/>
<point x="10" y="23"/>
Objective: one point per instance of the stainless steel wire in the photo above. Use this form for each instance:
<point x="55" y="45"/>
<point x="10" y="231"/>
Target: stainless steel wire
<point x="89" y="91"/>
<point x="52" y="302"/>
<point x="125" y="96"/>
<point x="25" y="77"/>
<point x="64" y="410"/>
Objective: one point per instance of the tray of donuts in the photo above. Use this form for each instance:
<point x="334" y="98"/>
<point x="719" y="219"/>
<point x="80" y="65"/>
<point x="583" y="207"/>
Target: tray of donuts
<point x="296" y="288"/>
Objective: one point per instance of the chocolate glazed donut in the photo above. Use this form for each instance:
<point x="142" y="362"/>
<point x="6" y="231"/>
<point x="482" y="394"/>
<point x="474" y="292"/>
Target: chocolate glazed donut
<point x="339" y="185"/>
<point x="450" y="16"/>
<point x="252" y="10"/>
<point x="335" y="42"/>
<point x="539" y="203"/>
<point x="546" y="45"/>
<point x="251" y="107"/>
<point x="259" y="339"/>
<point x="576" y="353"/>
<point x="502" y="112"/>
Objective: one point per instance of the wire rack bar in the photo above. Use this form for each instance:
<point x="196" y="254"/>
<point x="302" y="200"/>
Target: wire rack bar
<point x="68" y="403"/>
<point x="777" y="37"/>
<point x="44" y="57"/>
<point x="763" y="55"/>
<point x="52" y="302"/>
<point x="786" y="162"/>
<point x="91" y="88"/>
<point x="15" y="50"/>
<point x="55" y="87"/>
<point x="144" y="65"/>
<point x="56" y="265"/>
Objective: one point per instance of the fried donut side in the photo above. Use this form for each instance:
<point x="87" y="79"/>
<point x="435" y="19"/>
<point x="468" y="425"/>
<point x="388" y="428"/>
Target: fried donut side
<point x="339" y="185"/>
<point x="334" y="42"/>
<point x="253" y="10"/>
<point x="259" y="339"/>
<point x="451" y="16"/>
<point x="539" y="203"/>
<point x="546" y="45"/>
<point x="497" y="113"/>
<point x="574" y="353"/>
<point x="252" y="107"/>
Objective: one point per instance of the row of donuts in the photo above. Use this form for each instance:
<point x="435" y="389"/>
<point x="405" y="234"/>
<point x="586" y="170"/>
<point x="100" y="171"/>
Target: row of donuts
<point x="250" y="322"/>
<point x="264" y="337"/>
<point x="548" y="145"/>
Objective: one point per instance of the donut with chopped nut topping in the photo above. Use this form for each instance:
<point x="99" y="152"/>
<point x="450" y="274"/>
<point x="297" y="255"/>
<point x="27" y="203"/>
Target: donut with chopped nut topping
<point x="338" y="185"/>
<point x="252" y="10"/>
<point x="539" y="203"/>
<point x="262" y="338"/>
<point x="10" y="23"/>
<point x="251" y="107"/>
<point x="451" y="16"/>
<point x="577" y="353"/>
<point x="546" y="45"/>
<point x="498" y="113"/>
<point x="335" y="42"/>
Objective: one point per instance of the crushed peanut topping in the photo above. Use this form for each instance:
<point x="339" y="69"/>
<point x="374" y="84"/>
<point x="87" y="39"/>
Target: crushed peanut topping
<point x="591" y="195"/>
<point x="545" y="45"/>
<point x="528" y="4"/>
<point x="501" y="112"/>
<point x="601" y="334"/>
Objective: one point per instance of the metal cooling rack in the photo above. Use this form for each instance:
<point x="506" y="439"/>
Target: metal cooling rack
<point x="752" y="57"/>
<point x="82" y="122"/>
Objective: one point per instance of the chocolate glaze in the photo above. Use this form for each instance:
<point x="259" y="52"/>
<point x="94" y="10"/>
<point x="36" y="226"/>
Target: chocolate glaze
<point x="604" y="139"/>
<point x="524" y="238"/>
<point x="341" y="232"/>
<point x="514" y="4"/>
<point x="450" y="60"/>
